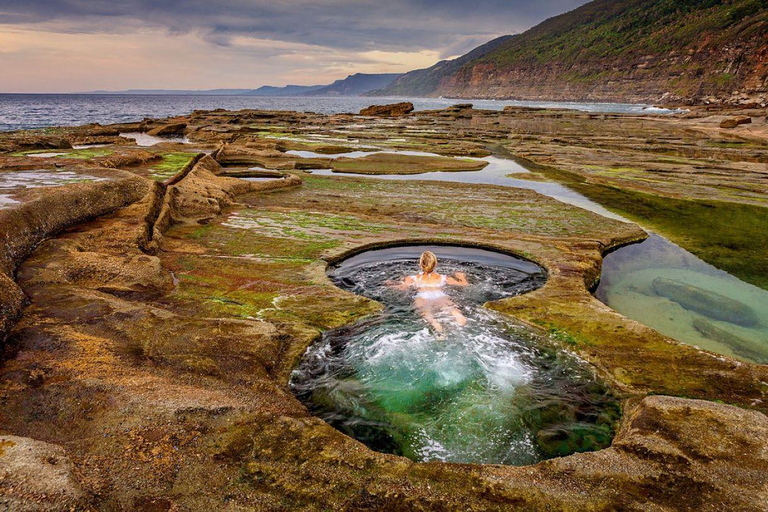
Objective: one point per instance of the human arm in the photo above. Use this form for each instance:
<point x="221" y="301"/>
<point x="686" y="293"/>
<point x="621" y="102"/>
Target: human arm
<point x="458" y="279"/>
<point x="401" y="285"/>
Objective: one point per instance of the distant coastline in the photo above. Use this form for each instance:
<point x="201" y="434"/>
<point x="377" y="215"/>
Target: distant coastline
<point x="28" y="111"/>
<point x="357" y="84"/>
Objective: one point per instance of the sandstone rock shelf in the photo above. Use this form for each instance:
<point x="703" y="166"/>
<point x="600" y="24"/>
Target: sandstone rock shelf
<point x="161" y="328"/>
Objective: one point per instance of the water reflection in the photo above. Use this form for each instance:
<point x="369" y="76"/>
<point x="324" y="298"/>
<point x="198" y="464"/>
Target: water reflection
<point x="628" y="275"/>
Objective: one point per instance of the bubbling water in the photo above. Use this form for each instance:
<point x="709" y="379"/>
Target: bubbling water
<point x="489" y="392"/>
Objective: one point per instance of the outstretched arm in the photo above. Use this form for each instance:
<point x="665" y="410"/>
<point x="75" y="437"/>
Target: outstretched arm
<point x="401" y="285"/>
<point x="458" y="279"/>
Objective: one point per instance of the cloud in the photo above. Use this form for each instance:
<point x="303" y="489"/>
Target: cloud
<point x="268" y="41"/>
<point x="393" y="25"/>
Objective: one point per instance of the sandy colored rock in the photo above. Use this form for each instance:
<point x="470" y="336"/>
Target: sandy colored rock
<point x="733" y="122"/>
<point x="160" y="337"/>
<point x="391" y="110"/>
<point x="36" y="476"/>
<point x="11" y="302"/>
<point x="169" y="130"/>
<point x="23" y="228"/>
<point x="694" y="437"/>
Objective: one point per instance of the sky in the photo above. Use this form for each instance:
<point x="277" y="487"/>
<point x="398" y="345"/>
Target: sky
<point x="83" y="45"/>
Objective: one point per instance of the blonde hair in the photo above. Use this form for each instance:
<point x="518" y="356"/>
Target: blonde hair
<point x="428" y="261"/>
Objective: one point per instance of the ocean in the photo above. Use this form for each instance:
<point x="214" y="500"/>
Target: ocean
<point x="25" y="111"/>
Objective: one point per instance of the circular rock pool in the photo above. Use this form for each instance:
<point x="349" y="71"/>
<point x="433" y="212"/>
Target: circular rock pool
<point x="492" y="391"/>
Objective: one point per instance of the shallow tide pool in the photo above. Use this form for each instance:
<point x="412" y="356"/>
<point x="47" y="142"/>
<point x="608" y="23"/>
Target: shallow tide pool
<point x="628" y="274"/>
<point x="658" y="284"/>
<point x="146" y="140"/>
<point x="489" y="392"/>
<point x="15" y="181"/>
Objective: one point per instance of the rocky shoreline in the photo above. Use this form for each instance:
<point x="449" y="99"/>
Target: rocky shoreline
<point x="167" y="306"/>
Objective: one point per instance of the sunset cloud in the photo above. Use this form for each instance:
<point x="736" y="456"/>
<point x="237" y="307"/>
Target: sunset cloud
<point x="75" y="45"/>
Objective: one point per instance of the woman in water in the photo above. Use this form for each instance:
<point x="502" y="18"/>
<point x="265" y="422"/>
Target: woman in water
<point x="431" y="300"/>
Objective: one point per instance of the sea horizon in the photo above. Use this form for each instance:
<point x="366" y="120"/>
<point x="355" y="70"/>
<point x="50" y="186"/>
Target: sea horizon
<point x="21" y="111"/>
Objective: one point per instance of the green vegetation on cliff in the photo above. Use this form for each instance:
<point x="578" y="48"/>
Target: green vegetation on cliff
<point x="613" y="49"/>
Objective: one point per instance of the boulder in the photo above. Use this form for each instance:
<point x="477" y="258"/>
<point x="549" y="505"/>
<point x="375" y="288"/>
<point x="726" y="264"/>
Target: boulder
<point x="705" y="302"/>
<point x="37" y="476"/>
<point x="169" y="130"/>
<point x="394" y="109"/>
<point x="754" y="350"/>
<point x="733" y="122"/>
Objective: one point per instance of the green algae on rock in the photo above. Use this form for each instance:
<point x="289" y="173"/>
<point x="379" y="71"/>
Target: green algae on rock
<point x="168" y="330"/>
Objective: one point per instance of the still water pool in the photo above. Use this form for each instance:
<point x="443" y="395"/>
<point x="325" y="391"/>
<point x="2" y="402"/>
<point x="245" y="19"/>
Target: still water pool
<point x="658" y="284"/>
<point x="635" y="279"/>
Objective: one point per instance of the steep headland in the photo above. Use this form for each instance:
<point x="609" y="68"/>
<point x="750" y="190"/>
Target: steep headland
<point x="653" y="51"/>
<point x="355" y="85"/>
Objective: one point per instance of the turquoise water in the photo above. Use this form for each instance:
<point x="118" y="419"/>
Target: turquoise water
<point x="628" y="273"/>
<point x="489" y="392"/>
<point x="660" y="285"/>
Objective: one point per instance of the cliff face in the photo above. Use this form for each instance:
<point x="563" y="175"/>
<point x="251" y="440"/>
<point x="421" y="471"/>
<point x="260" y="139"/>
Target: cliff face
<point x="354" y="85"/>
<point x="656" y="51"/>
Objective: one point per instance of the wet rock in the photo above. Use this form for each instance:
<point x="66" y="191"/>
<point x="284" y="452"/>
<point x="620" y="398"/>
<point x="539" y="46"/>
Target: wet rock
<point x="11" y="303"/>
<point x="755" y="351"/>
<point x="152" y="504"/>
<point x="514" y="109"/>
<point x="391" y="110"/>
<point x="705" y="302"/>
<point x="25" y="227"/>
<point x="207" y="395"/>
<point x="458" y="111"/>
<point x="697" y="437"/>
<point x="23" y="141"/>
<point x="169" y="130"/>
<point x="733" y="122"/>
<point x="101" y="139"/>
<point x="266" y="156"/>
<point x="36" y="476"/>
<point x="199" y="191"/>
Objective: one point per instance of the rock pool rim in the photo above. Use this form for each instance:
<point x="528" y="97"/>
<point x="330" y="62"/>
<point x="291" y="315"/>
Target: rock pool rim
<point x="619" y="244"/>
<point x="336" y="259"/>
<point x="335" y="263"/>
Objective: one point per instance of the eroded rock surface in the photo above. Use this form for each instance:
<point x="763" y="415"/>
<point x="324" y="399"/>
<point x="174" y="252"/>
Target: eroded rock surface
<point x="394" y="109"/>
<point x="161" y="333"/>
<point x="36" y="476"/>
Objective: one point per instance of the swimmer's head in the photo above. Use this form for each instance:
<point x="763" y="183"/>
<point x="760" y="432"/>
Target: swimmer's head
<point x="428" y="261"/>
